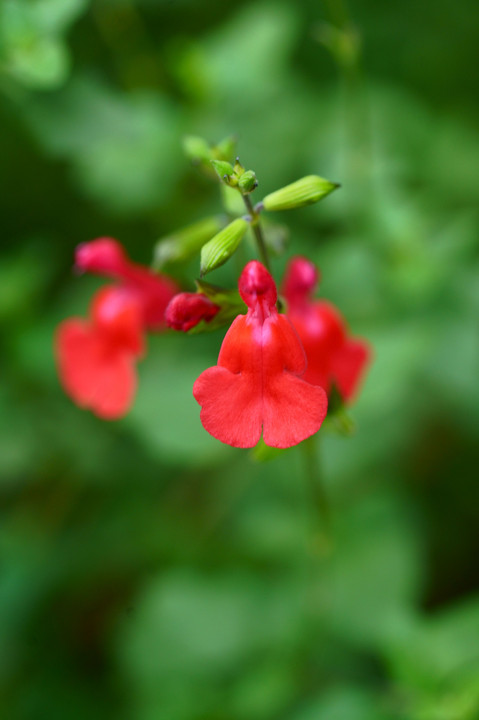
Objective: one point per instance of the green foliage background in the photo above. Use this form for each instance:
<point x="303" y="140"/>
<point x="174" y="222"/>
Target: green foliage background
<point x="147" y="571"/>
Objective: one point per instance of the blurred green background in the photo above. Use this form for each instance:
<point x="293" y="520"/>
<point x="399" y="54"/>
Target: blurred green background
<point x="147" y="571"/>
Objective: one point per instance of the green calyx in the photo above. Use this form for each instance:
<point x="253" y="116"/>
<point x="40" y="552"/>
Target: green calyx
<point x="306" y="191"/>
<point x="222" y="246"/>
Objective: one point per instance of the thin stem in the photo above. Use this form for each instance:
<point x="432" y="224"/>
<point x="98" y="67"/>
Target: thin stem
<point x="258" y="233"/>
<point x="317" y="492"/>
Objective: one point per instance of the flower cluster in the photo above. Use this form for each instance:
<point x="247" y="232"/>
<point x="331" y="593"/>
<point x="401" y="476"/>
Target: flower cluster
<point x="97" y="357"/>
<point x="275" y="370"/>
<point x="257" y="382"/>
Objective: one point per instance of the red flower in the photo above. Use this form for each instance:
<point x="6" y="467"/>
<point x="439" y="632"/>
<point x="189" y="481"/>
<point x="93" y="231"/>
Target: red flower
<point x="186" y="310"/>
<point x="257" y="383"/>
<point x="106" y="256"/>
<point x="333" y="357"/>
<point x="96" y="357"/>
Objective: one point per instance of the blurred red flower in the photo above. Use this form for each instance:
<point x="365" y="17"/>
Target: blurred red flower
<point x="333" y="357"/>
<point x="105" y="256"/>
<point x="256" y="383"/>
<point x="96" y="357"/>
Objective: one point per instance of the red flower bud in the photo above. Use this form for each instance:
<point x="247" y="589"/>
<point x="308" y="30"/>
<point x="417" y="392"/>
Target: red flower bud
<point x="186" y="310"/>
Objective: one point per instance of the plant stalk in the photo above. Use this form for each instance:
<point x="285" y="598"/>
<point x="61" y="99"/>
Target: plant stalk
<point x="258" y="233"/>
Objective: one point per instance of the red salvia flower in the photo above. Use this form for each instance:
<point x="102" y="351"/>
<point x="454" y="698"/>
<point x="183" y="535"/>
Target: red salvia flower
<point x="256" y="383"/>
<point x="96" y="357"/>
<point x="105" y="256"/>
<point x="333" y="356"/>
<point x="186" y="310"/>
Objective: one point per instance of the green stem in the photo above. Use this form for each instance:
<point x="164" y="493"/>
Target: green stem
<point x="316" y="491"/>
<point x="258" y="233"/>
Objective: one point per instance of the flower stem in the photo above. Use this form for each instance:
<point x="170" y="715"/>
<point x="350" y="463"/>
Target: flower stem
<point x="258" y="233"/>
<point x="317" y="493"/>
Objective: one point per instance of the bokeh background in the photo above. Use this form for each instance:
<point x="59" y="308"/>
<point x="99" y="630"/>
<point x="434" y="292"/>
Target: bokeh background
<point x="147" y="571"/>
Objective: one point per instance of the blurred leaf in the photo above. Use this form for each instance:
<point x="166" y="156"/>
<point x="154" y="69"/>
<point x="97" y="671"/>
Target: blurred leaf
<point x="374" y="574"/>
<point x="204" y="625"/>
<point x="165" y="416"/>
<point x="182" y="244"/>
<point x="123" y="148"/>
<point x="346" y="702"/>
<point x="30" y="39"/>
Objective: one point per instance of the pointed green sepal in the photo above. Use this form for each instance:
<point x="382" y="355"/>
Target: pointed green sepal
<point x="303" y="192"/>
<point x="262" y="453"/>
<point x="187" y="242"/>
<point x="224" y="170"/>
<point x="220" y="248"/>
<point x="247" y="182"/>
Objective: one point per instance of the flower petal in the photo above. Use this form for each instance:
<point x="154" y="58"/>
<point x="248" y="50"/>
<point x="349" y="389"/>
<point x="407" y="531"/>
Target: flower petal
<point x="292" y="410"/>
<point x="256" y="384"/>
<point x="117" y="314"/>
<point x="231" y="406"/>
<point x="91" y="372"/>
<point x="349" y="366"/>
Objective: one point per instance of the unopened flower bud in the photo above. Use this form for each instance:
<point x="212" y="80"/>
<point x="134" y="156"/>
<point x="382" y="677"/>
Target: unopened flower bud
<point x="220" y="248"/>
<point x="303" y="192"/>
<point x="186" y="310"/>
<point x="247" y="182"/>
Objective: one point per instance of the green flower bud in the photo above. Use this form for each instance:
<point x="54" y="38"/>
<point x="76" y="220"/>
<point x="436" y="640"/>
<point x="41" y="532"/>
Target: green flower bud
<point x="185" y="243"/>
<point x="247" y="182"/>
<point x="303" y="192"/>
<point x="196" y="149"/>
<point x="220" y="248"/>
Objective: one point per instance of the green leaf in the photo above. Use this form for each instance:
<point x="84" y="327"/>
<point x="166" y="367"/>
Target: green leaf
<point x="183" y="244"/>
<point x="220" y="248"/>
<point x="306" y="191"/>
